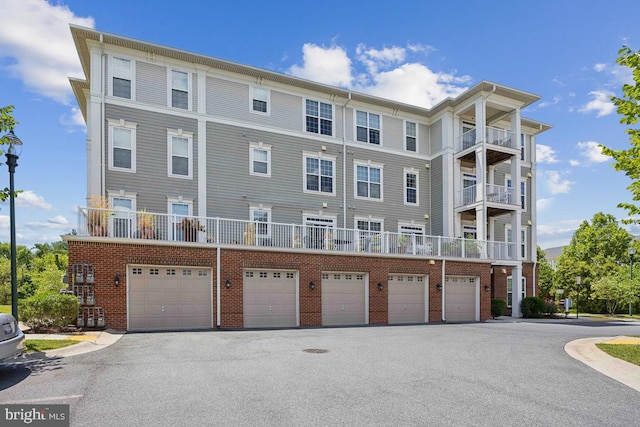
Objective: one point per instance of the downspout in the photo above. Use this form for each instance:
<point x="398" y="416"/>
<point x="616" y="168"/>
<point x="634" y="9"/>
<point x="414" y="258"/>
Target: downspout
<point x="344" y="162"/>
<point x="533" y="285"/>
<point x="444" y="261"/>
<point x="218" y="287"/>
<point x="103" y="191"/>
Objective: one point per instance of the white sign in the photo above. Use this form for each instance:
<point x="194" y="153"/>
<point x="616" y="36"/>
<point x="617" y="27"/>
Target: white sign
<point x="560" y="291"/>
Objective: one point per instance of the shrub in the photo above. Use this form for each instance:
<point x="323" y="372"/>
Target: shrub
<point x="498" y="306"/>
<point x="550" y="308"/>
<point x="532" y="307"/>
<point x="48" y="311"/>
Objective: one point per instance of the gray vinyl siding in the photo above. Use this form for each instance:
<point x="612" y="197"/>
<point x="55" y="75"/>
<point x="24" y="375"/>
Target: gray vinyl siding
<point x="231" y="100"/>
<point x="151" y="181"/>
<point x="151" y="83"/>
<point x="231" y="190"/>
<point x="349" y="124"/>
<point x="424" y="146"/>
<point x="194" y="92"/>
<point x="435" y="137"/>
<point x="393" y="133"/>
<point x="437" y="201"/>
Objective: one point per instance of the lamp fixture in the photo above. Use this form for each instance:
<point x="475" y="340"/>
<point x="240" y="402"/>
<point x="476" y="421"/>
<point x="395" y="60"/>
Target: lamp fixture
<point x="439" y="287"/>
<point x="380" y="285"/>
<point x="487" y="288"/>
<point x="227" y="283"/>
<point x="116" y="280"/>
<point x="312" y="285"/>
<point x="432" y="261"/>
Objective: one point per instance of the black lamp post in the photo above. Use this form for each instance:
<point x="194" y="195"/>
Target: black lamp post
<point x="632" y="252"/>
<point x="12" y="161"/>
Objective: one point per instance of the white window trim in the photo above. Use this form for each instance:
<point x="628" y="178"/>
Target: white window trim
<point x="119" y="213"/>
<point x="368" y="164"/>
<point x="251" y="98"/>
<point x="261" y="208"/>
<point x="181" y="134"/>
<point x="309" y="218"/>
<point x="122" y="124"/>
<point x="405" y="136"/>
<point x="522" y="250"/>
<point x="355" y="127"/>
<point x="170" y="88"/>
<point x="404" y="175"/>
<point x="110" y="76"/>
<point x="319" y="156"/>
<point x="333" y="118"/>
<point x="524" y="289"/>
<point x="264" y="147"/>
<point x="368" y="219"/>
<point x="412" y="225"/>
<point x="172" y="220"/>
<point x="523" y="194"/>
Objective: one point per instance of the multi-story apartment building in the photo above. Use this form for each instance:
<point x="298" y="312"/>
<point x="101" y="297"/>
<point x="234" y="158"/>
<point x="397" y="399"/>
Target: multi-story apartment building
<point x="240" y="197"/>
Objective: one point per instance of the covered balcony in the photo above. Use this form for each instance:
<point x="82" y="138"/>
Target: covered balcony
<point x="501" y="145"/>
<point x="221" y="232"/>
<point x="500" y="199"/>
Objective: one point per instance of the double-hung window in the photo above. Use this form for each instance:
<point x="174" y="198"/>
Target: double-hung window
<point x="180" y="153"/>
<point x="319" y="174"/>
<point x="510" y="290"/>
<point x="523" y="239"/>
<point x="366" y="224"/>
<point x="319" y="117"/>
<point x="260" y="159"/>
<point x="179" y="89"/>
<point x="368" y="181"/>
<point x="122" y="77"/>
<point x="122" y="145"/>
<point x="523" y="191"/>
<point x="410" y="136"/>
<point x="367" y="127"/>
<point x="261" y="216"/>
<point x="411" y="187"/>
<point x="260" y="100"/>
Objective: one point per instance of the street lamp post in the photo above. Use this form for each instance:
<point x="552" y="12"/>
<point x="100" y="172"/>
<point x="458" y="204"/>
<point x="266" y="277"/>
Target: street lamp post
<point x="578" y="281"/>
<point x="12" y="161"/>
<point x="632" y="252"/>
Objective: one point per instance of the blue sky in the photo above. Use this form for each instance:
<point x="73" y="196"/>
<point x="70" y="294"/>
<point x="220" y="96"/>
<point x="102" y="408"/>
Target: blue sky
<point x="415" y="51"/>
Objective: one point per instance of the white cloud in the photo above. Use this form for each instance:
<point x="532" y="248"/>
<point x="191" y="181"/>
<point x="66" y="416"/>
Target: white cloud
<point x="592" y="151"/>
<point x="600" y="67"/>
<point x="57" y="222"/>
<point x="385" y="73"/>
<point x="600" y="103"/>
<point x="556" y="184"/>
<point x="543" y="204"/>
<point x="555" y="100"/>
<point x="4" y="222"/>
<point x="420" y="48"/>
<point x="74" y="119"/>
<point x="558" y="233"/>
<point x="36" y="46"/>
<point x="574" y="162"/>
<point x="545" y="154"/>
<point x="329" y="65"/>
<point x="29" y="199"/>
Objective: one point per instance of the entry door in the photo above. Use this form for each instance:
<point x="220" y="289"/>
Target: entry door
<point x="316" y="231"/>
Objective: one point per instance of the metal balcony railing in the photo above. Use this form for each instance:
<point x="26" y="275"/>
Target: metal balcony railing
<point x="494" y="193"/>
<point x="125" y="224"/>
<point x="494" y="136"/>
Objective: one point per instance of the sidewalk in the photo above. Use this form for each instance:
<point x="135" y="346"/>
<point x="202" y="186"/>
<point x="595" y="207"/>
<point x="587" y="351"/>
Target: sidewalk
<point x="87" y="342"/>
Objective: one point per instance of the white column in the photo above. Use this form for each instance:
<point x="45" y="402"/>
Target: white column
<point x="448" y="173"/>
<point x="516" y="277"/>
<point x="534" y="196"/>
<point x="481" y="120"/>
<point x="94" y="125"/>
<point x="202" y="166"/>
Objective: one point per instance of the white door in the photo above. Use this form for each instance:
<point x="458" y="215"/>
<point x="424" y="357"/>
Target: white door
<point x="270" y="299"/>
<point x="407" y="299"/>
<point x="462" y="299"/>
<point x="344" y="299"/>
<point x="169" y="297"/>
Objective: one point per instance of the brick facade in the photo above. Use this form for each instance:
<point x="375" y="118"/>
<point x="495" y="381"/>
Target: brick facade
<point x="110" y="259"/>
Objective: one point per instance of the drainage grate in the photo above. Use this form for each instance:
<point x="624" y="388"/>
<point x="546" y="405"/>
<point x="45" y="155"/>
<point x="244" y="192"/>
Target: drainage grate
<point x="315" y="350"/>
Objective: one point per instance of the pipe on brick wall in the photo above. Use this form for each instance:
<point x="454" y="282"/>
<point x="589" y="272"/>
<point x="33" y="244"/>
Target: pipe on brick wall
<point x="442" y="281"/>
<point x="218" y="287"/>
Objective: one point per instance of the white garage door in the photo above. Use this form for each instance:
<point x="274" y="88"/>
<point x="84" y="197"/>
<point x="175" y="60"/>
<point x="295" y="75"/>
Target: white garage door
<point x="461" y="298"/>
<point x="169" y="297"/>
<point x="270" y="299"/>
<point x="407" y="299"/>
<point x="344" y="297"/>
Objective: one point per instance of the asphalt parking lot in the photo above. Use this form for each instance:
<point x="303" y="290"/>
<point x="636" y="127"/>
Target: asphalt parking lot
<point x="501" y="373"/>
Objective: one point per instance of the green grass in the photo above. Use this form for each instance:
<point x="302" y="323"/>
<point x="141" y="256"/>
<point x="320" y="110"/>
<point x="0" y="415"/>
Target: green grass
<point x="31" y="346"/>
<point x="628" y="352"/>
<point x="5" y="308"/>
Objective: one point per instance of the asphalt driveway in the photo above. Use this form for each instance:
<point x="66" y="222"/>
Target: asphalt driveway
<point x="509" y="373"/>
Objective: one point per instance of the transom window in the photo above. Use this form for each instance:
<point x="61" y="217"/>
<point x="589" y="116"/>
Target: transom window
<point x="259" y="100"/>
<point x="122" y="77"/>
<point x="319" y="117"/>
<point x="368" y="127"/>
<point x="411" y="187"/>
<point x="319" y="174"/>
<point x="369" y="225"/>
<point x="179" y="89"/>
<point x="260" y="160"/>
<point x="368" y="182"/>
<point x="122" y="145"/>
<point x="411" y="136"/>
<point x="180" y="154"/>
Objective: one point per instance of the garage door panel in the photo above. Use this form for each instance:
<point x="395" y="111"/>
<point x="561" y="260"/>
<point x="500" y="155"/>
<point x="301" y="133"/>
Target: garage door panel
<point x="343" y="299"/>
<point x="460" y="299"/>
<point x="406" y="299"/>
<point x="269" y="299"/>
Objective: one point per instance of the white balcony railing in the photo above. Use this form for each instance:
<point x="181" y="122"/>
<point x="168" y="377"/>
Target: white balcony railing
<point x="494" y="136"/>
<point x="494" y="193"/>
<point x="126" y="224"/>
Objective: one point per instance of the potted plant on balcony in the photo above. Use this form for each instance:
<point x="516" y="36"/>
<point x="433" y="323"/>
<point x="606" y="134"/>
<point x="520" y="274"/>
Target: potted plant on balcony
<point x="402" y="243"/>
<point x="249" y="235"/>
<point x="98" y="215"/>
<point x="190" y="228"/>
<point x="146" y="225"/>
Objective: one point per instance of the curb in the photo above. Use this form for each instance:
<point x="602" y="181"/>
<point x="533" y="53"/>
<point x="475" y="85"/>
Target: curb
<point x="98" y="341"/>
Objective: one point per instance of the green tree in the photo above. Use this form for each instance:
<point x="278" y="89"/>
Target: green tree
<point x="47" y="272"/>
<point x="628" y="106"/>
<point x="7" y="123"/>
<point x="596" y="248"/>
<point x="613" y="289"/>
<point x="545" y="275"/>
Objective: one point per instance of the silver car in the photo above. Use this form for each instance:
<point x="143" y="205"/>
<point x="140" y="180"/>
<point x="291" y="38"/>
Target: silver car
<point x="11" y="337"/>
